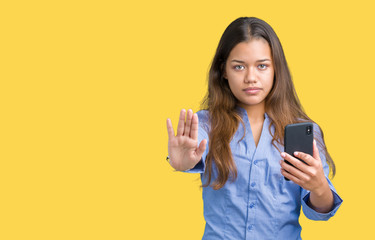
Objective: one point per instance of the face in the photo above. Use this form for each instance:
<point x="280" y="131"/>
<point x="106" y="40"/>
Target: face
<point x="250" y="72"/>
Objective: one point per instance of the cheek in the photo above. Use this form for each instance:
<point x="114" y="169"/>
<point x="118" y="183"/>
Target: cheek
<point x="270" y="81"/>
<point x="270" y="85"/>
<point x="234" y="79"/>
<point x="233" y="85"/>
<point x="234" y="88"/>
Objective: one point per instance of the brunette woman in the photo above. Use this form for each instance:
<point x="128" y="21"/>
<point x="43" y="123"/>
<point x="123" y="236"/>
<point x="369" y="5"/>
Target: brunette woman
<point x="235" y="142"/>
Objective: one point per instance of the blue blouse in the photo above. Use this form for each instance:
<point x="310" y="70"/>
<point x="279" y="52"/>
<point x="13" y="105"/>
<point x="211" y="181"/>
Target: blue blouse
<point x="259" y="204"/>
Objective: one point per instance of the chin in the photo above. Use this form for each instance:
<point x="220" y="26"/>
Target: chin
<point x="252" y="103"/>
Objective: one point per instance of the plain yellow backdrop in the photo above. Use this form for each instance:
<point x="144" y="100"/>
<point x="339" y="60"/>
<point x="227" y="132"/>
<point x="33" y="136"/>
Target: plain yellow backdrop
<point x="87" y="86"/>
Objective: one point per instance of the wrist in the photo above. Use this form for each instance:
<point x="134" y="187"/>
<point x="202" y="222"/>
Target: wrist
<point x="321" y="190"/>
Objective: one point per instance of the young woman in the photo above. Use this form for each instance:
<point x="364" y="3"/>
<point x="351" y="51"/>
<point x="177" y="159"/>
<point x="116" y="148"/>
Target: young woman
<point x="236" y="145"/>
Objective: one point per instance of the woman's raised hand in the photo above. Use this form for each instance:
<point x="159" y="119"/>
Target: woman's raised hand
<point x="183" y="151"/>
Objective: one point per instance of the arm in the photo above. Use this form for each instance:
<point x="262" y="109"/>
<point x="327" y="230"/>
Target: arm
<point x="319" y="198"/>
<point x="309" y="176"/>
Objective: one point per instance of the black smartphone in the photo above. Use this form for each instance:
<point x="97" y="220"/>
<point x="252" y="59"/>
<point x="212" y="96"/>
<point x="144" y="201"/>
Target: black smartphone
<point x="298" y="137"/>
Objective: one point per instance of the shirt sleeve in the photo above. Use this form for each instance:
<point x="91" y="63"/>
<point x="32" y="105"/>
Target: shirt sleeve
<point x="305" y="195"/>
<point x="202" y="134"/>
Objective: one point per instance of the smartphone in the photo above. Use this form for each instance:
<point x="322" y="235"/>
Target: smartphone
<point x="298" y="137"/>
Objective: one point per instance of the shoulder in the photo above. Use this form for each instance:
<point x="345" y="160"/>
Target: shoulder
<point x="317" y="129"/>
<point x="318" y="135"/>
<point x="203" y="116"/>
<point x="204" y="119"/>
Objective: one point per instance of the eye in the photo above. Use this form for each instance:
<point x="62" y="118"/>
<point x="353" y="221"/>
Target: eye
<point x="239" y="67"/>
<point x="264" y="66"/>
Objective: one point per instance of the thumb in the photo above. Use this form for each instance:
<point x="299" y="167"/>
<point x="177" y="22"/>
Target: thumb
<point x="201" y="148"/>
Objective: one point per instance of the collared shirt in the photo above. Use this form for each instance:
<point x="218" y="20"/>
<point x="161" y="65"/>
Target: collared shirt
<point x="260" y="203"/>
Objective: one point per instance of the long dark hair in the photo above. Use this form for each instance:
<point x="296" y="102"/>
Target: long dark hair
<point x="282" y="104"/>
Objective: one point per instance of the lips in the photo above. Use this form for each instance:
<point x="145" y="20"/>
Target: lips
<point x="252" y="90"/>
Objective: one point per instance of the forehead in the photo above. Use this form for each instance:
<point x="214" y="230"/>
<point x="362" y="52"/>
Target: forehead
<point x="251" y="51"/>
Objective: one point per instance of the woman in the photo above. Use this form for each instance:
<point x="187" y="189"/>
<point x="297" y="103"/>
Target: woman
<point x="250" y="99"/>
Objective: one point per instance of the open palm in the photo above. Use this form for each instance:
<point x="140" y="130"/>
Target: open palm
<point x="183" y="151"/>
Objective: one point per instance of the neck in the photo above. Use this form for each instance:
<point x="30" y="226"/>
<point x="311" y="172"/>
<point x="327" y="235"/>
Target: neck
<point x="255" y="113"/>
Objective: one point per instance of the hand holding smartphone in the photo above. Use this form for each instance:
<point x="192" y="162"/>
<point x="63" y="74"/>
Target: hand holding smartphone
<point x="298" y="137"/>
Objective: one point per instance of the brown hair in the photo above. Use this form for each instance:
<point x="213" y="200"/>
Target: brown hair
<point x="282" y="104"/>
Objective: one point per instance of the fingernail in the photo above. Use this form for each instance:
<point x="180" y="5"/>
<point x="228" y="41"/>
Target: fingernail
<point x="295" y="153"/>
<point x="283" y="154"/>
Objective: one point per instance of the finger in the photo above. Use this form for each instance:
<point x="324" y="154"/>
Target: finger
<point x="181" y="123"/>
<point x="201" y="148"/>
<point x="292" y="170"/>
<point x="170" y="129"/>
<point x="188" y="122"/>
<point x="316" y="151"/>
<point x="307" y="158"/>
<point x="194" y="127"/>
<point x="295" y="162"/>
<point x="290" y="177"/>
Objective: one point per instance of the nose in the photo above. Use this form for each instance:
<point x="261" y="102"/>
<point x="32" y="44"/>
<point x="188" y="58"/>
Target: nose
<point x="250" y="76"/>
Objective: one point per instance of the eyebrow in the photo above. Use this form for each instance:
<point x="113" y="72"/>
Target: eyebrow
<point x="260" y="60"/>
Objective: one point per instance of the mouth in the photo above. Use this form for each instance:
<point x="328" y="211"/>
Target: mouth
<point x="252" y="90"/>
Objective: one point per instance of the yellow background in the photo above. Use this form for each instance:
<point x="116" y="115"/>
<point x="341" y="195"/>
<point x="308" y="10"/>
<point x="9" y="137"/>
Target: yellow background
<point x="86" y="87"/>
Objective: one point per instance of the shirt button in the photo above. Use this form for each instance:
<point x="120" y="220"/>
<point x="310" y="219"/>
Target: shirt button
<point x="252" y="205"/>
<point x="249" y="227"/>
<point x="253" y="184"/>
<point x="255" y="162"/>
